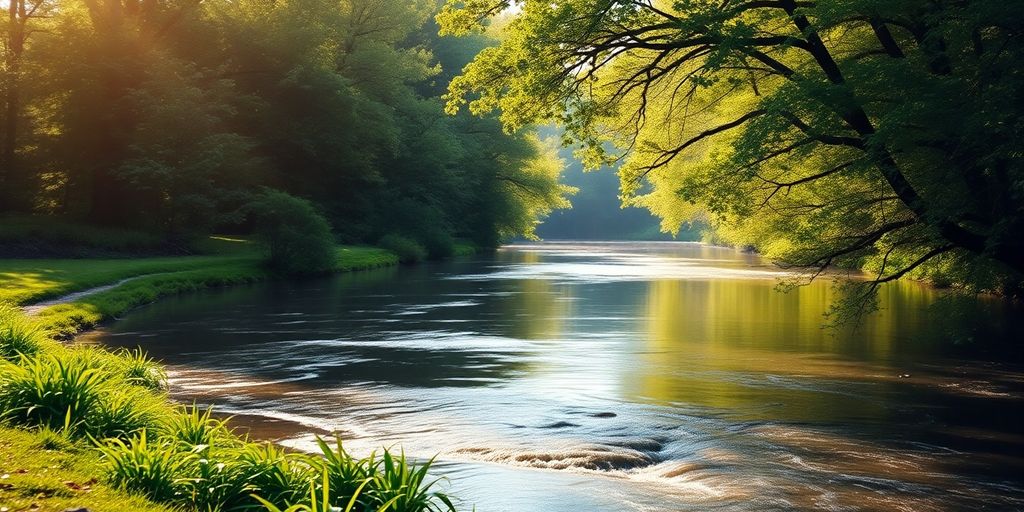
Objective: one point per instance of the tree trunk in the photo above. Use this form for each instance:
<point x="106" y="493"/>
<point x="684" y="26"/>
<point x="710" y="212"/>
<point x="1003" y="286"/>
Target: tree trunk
<point x="9" y="182"/>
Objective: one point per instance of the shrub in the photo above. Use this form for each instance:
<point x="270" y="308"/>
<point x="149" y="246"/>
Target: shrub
<point x="407" y="249"/>
<point x="439" y="243"/>
<point x="298" y="238"/>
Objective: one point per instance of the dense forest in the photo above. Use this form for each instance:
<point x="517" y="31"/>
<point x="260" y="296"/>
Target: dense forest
<point x="860" y="134"/>
<point x="183" y="117"/>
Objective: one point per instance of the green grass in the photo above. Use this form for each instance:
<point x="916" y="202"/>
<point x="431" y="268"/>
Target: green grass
<point x="65" y="399"/>
<point x="19" y="335"/>
<point x="27" y="281"/>
<point x="78" y="399"/>
<point x="464" y="249"/>
<point x="407" y="249"/>
<point x="34" y="236"/>
<point x="55" y="473"/>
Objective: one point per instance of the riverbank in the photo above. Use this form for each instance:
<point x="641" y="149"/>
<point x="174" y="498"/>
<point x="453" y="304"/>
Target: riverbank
<point x="29" y="281"/>
<point x="43" y="472"/>
<point x="51" y="463"/>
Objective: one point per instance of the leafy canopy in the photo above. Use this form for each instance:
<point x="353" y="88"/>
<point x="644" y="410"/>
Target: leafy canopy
<point x="860" y="133"/>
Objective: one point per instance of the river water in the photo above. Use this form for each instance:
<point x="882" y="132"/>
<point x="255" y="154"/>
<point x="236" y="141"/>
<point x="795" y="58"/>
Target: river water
<point x="613" y="377"/>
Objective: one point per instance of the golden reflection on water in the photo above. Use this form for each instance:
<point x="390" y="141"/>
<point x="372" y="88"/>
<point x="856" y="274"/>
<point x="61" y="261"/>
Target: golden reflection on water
<point x="544" y="307"/>
<point x="694" y="332"/>
<point x="675" y="391"/>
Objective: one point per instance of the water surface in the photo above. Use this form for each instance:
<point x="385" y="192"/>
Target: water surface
<point x="611" y="377"/>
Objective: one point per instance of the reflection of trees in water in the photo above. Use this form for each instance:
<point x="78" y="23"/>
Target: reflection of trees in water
<point x="751" y="353"/>
<point x="538" y="311"/>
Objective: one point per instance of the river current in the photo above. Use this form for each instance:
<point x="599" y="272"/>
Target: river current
<point x="618" y="376"/>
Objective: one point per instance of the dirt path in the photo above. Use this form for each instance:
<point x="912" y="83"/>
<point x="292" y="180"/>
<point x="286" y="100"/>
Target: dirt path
<point x="72" y="297"/>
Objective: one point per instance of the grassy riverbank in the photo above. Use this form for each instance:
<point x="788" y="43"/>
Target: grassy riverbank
<point x="26" y="281"/>
<point x="57" y="400"/>
<point x="47" y="473"/>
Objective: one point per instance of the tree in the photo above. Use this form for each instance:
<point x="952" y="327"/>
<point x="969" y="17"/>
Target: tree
<point x="171" y="115"/>
<point x="859" y="133"/>
<point x="22" y="20"/>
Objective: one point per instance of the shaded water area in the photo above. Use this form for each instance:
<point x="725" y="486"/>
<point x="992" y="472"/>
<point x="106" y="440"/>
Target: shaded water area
<point x="611" y="377"/>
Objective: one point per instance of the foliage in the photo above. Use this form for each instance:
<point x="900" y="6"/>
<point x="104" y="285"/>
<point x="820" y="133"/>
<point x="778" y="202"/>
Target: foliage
<point x="298" y="238"/>
<point x="230" y="474"/>
<point x="185" y="456"/>
<point x="139" y="369"/>
<point x="35" y="236"/>
<point x="55" y="472"/>
<point x="193" y="427"/>
<point x="324" y="503"/>
<point x="170" y="118"/>
<point x="408" y="250"/>
<point x="148" y="467"/>
<point x="19" y="336"/>
<point x="868" y="134"/>
<point x="404" y="487"/>
<point x="76" y="392"/>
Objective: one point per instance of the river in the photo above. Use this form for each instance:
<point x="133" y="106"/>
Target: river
<point x="618" y="376"/>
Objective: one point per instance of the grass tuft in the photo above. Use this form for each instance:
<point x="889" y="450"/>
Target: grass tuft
<point x="19" y="336"/>
<point x="153" y="469"/>
<point x="183" y="457"/>
<point x="141" y="370"/>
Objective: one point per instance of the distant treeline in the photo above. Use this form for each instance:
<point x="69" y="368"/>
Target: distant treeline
<point x="597" y="212"/>
<point x="172" y="116"/>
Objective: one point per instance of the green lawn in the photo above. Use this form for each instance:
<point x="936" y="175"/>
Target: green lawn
<point x="44" y="473"/>
<point x="27" y="281"/>
<point x="24" y="282"/>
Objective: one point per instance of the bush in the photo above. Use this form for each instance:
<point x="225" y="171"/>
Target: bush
<point x="439" y="243"/>
<point x="298" y="238"/>
<point x="407" y="249"/>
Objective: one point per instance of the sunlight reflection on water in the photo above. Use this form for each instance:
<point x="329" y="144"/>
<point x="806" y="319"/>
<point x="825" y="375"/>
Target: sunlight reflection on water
<point x="555" y="377"/>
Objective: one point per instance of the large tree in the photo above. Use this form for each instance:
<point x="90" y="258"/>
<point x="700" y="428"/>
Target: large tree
<point x="172" y="115"/>
<point x="864" y="133"/>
